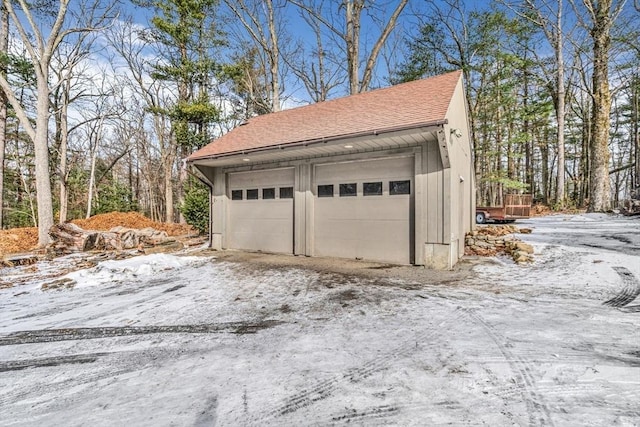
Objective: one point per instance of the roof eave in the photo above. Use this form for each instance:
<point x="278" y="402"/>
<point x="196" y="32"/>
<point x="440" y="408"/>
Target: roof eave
<point x="305" y="143"/>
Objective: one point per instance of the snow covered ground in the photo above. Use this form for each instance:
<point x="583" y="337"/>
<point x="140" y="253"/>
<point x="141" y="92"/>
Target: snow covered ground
<point x="197" y="340"/>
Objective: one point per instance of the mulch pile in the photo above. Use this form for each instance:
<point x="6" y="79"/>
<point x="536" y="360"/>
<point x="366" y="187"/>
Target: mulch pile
<point x="105" y="222"/>
<point x="17" y="240"/>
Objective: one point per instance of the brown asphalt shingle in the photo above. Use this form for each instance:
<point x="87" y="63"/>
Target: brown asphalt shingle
<point x="414" y="103"/>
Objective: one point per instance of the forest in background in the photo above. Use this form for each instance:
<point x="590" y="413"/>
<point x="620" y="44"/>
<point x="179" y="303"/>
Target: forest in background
<point x="99" y="108"/>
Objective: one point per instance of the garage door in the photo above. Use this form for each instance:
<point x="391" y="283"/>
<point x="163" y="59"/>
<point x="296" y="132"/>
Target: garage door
<point x="363" y="210"/>
<point x="261" y="210"/>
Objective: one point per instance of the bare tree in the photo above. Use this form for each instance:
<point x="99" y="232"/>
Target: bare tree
<point x="131" y="64"/>
<point x="71" y="87"/>
<point x="263" y="25"/>
<point x="4" y="46"/>
<point x="40" y="45"/>
<point x="349" y="32"/>
<point x="317" y="76"/>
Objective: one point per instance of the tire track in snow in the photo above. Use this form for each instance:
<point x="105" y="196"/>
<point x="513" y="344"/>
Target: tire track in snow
<point x="539" y="413"/>
<point x="629" y="292"/>
<point x="17" y="365"/>
<point x="360" y="416"/>
<point x="323" y="389"/>
<point x="68" y="334"/>
<point x="126" y="362"/>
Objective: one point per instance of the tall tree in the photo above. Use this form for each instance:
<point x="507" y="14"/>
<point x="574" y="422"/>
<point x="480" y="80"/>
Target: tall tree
<point x="548" y="15"/>
<point x="73" y="84"/>
<point x="348" y="30"/>
<point x="602" y="14"/>
<point x="151" y="96"/>
<point x="260" y="20"/>
<point x="4" y="46"/>
<point x="187" y="34"/>
<point x="40" y="44"/>
<point x="314" y="68"/>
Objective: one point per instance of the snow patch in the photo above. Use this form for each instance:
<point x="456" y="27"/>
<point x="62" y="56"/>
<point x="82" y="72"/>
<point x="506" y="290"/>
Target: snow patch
<point x="132" y="268"/>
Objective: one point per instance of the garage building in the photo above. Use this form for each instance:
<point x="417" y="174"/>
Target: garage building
<point x="385" y="175"/>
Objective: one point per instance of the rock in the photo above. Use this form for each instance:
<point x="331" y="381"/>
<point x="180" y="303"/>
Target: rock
<point x="483" y="245"/>
<point x="524" y="247"/>
<point x="489" y="241"/>
<point x="521" y="256"/>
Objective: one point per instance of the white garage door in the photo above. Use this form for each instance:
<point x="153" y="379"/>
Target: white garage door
<point x="261" y="210"/>
<point x="364" y="210"/>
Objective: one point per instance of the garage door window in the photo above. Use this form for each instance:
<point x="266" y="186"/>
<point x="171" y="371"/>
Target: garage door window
<point x="236" y="195"/>
<point x="399" y="187"/>
<point x="372" y="188"/>
<point x="286" y="192"/>
<point x="268" y="193"/>
<point x="325" y="190"/>
<point x="252" y="194"/>
<point x="348" y="190"/>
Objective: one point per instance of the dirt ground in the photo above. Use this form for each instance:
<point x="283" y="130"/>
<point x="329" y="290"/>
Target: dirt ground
<point x="17" y="240"/>
<point x="231" y="338"/>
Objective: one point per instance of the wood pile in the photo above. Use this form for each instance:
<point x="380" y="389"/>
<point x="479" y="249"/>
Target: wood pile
<point x="20" y="240"/>
<point x="68" y="238"/>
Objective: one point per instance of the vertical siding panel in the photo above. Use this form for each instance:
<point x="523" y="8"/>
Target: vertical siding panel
<point x="299" y="214"/>
<point x="309" y="179"/>
<point x="446" y="206"/>
<point x="419" y="208"/>
<point x="436" y="195"/>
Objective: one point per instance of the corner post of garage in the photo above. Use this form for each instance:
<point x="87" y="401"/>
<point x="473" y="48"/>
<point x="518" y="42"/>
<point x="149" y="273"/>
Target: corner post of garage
<point x="219" y="210"/>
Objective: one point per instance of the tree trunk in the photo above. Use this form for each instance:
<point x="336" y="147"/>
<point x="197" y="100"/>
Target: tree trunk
<point x="92" y="174"/>
<point x="560" y="109"/>
<point x="168" y="190"/>
<point x="600" y="197"/>
<point x="4" y="45"/>
<point x="544" y="151"/>
<point x="274" y="58"/>
<point x="41" y="151"/>
<point x="635" y="135"/>
<point x="64" y="137"/>
<point x="352" y="39"/>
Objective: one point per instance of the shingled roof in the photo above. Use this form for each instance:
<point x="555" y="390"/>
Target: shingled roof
<point x="414" y="104"/>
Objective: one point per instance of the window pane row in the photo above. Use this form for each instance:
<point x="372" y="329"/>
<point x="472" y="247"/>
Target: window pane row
<point x="327" y="190"/>
<point x="267" y="193"/>
<point x="368" y="189"/>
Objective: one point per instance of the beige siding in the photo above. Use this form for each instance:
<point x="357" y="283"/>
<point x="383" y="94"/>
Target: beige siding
<point x="462" y="185"/>
<point x="434" y="193"/>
